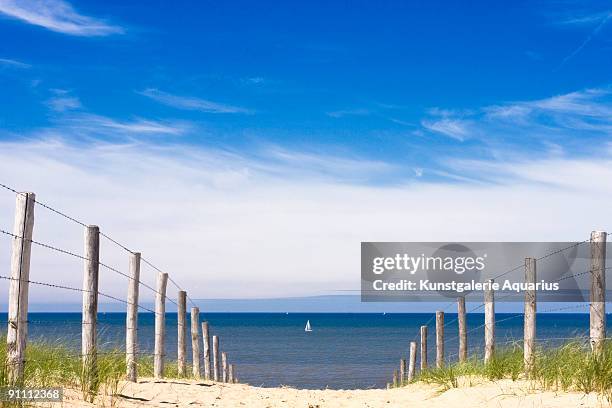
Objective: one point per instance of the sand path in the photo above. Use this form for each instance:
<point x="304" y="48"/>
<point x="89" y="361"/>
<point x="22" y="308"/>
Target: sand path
<point x="499" y="394"/>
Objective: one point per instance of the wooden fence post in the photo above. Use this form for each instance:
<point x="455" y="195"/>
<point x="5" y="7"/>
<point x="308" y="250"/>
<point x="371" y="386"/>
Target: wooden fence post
<point x="529" y="333"/>
<point x="90" y="307"/>
<point x="412" y="361"/>
<point x="489" y="301"/>
<point x="423" y="347"/>
<point x="461" y="319"/>
<point x="439" y="339"/>
<point x="231" y="374"/>
<point x="598" y="291"/>
<point x="182" y="329"/>
<point x="215" y="350"/>
<point x="17" y="332"/>
<point x="402" y="371"/>
<point x="195" y="342"/>
<point x="224" y="366"/>
<point x="131" y="319"/>
<point x="206" y="343"/>
<point x="160" y="325"/>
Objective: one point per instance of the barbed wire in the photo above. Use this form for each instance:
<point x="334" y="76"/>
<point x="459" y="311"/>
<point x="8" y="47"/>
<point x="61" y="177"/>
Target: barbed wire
<point x="497" y="298"/>
<point x="48" y="207"/>
<point x="84" y="258"/>
<point x="104" y="235"/>
<point x="517" y="315"/>
<point x="432" y="319"/>
<point x="545" y="256"/>
<point x="57" y="286"/>
<point x="147" y="262"/>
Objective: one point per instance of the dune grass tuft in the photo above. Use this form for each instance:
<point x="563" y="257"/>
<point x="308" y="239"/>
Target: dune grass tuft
<point x="53" y="364"/>
<point x="571" y="367"/>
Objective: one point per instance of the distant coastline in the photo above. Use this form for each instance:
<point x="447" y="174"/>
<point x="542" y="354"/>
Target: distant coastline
<point x="306" y="304"/>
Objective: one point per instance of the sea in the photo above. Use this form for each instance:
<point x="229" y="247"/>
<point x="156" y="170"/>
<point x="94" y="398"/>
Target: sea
<point x="343" y="350"/>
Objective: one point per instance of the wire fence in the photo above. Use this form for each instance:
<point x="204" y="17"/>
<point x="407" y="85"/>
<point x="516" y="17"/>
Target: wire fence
<point x="81" y="257"/>
<point x="16" y="320"/>
<point x="149" y="263"/>
<point x="476" y="347"/>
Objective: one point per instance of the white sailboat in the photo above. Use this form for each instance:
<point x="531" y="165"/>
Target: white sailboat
<point x="307" y="328"/>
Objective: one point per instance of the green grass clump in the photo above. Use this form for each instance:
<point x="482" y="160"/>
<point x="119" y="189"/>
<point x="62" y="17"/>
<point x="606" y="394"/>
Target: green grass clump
<point x="53" y="364"/>
<point x="574" y="367"/>
<point x="447" y="377"/>
<point x="571" y="367"/>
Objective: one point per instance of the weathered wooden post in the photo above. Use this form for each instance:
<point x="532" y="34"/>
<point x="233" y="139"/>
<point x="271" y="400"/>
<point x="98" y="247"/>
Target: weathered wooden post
<point x="461" y="319"/>
<point x="489" y="322"/>
<point x="412" y="361"/>
<point x="21" y="247"/>
<point x="90" y="305"/>
<point x="230" y="378"/>
<point x="529" y="333"/>
<point x="394" y="378"/>
<point x="131" y="319"/>
<point x="160" y="325"/>
<point x="215" y="351"/>
<point x="182" y="330"/>
<point x="423" y="347"/>
<point x="439" y="339"/>
<point x="598" y="291"/>
<point x="195" y="341"/>
<point x="224" y="366"/>
<point x="402" y="371"/>
<point x="206" y="344"/>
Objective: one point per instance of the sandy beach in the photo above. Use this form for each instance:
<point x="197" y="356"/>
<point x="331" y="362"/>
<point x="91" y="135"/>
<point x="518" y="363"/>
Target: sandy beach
<point x="179" y="393"/>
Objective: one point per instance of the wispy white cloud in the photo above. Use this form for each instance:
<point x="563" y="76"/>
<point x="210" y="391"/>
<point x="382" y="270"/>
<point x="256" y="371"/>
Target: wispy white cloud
<point x="254" y="80"/>
<point x="589" y="111"/>
<point x="191" y="103"/>
<point x="349" y="112"/>
<point x="71" y="121"/>
<point x="63" y="101"/>
<point x="581" y="115"/>
<point x="7" y="62"/>
<point x="589" y="102"/>
<point x="401" y="122"/>
<point x="323" y="165"/>
<point x="598" y="19"/>
<point x="220" y="204"/>
<point x="86" y="126"/>
<point x="586" y="18"/>
<point x="58" y="16"/>
<point x="453" y="128"/>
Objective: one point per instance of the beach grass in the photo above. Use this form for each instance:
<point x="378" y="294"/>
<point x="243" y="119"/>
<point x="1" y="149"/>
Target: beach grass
<point x="53" y="364"/>
<point x="570" y="367"/>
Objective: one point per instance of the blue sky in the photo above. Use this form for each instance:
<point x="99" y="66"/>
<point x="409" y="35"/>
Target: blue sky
<point x="298" y="130"/>
<point x="399" y="83"/>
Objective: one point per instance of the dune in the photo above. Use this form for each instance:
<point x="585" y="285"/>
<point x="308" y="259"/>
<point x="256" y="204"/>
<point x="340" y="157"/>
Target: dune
<point x="188" y="393"/>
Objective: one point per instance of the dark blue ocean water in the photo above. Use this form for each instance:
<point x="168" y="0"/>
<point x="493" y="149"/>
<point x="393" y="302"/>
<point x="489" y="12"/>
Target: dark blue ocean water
<point x="343" y="351"/>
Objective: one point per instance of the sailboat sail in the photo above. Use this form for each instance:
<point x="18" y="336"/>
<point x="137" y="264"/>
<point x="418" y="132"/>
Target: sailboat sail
<point x="308" y="328"/>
